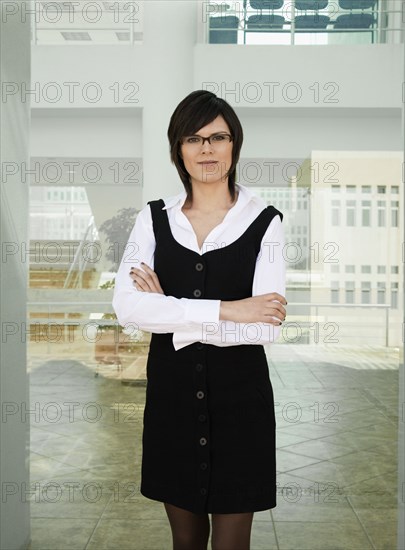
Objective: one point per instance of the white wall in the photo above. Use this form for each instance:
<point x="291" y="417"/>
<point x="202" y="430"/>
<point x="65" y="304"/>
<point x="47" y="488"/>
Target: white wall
<point x="345" y="76"/>
<point x="354" y="76"/>
<point x="265" y="135"/>
<point x="82" y="134"/>
<point x="345" y="101"/>
<point x="297" y="135"/>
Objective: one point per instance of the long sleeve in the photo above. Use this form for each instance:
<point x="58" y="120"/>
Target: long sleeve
<point x="270" y="276"/>
<point x="151" y="311"/>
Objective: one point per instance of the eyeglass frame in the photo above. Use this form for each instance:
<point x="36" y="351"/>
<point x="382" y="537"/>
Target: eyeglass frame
<point x="204" y="139"/>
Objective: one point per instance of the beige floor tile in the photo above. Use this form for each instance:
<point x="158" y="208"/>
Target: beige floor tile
<point x="380" y="485"/>
<point x="319" y="507"/>
<point x="287" y="461"/>
<point x="263" y="515"/>
<point x="262" y="536"/>
<point x="333" y="535"/>
<point x="48" y="467"/>
<point x="310" y="430"/>
<point x="370" y="502"/>
<point x="123" y="534"/>
<point x="347" y="469"/>
<point x="336" y="481"/>
<point x="126" y="505"/>
<point x="381" y="526"/>
<point x="291" y="488"/>
<point x="283" y="438"/>
<point x="68" y="501"/>
<point x="317" y="448"/>
<point x="61" y="533"/>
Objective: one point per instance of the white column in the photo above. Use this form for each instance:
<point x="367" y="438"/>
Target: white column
<point x="14" y="131"/>
<point x="401" y="392"/>
<point x="170" y="30"/>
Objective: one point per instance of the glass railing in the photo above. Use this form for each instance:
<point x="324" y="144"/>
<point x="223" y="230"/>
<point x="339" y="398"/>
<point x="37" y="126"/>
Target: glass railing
<point x="302" y="22"/>
<point x="251" y="22"/>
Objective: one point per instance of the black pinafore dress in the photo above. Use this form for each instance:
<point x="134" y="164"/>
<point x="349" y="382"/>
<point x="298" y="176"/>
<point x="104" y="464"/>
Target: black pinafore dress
<point x="208" y="442"/>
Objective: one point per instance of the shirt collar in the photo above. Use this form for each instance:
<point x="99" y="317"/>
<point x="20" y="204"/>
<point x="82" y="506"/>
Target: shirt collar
<point x="245" y="196"/>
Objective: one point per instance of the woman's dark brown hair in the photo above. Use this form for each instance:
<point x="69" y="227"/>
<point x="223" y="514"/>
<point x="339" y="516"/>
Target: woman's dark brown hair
<point x="193" y="113"/>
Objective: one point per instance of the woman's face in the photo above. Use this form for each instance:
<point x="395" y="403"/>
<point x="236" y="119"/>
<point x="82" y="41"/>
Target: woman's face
<point x="208" y="162"/>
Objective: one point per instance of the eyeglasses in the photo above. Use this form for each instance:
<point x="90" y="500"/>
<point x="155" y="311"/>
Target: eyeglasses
<point x="216" y="140"/>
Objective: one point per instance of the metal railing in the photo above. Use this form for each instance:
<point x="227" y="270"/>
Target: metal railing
<point x="80" y="261"/>
<point x="385" y="20"/>
<point x="317" y="306"/>
<point x="303" y="322"/>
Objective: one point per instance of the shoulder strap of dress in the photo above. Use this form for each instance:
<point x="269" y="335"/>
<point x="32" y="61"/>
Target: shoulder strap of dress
<point x="275" y="211"/>
<point x="263" y="220"/>
<point x="259" y="226"/>
<point x="156" y="203"/>
<point x="159" y="216"/>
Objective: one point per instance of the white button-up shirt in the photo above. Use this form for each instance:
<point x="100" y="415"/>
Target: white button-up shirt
<point x="197" y="320"/>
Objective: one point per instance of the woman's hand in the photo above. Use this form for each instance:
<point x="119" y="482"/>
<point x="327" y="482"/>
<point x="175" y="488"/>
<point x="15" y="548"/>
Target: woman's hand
<point x="257" y="309"/>
<point x="146" y="281"/>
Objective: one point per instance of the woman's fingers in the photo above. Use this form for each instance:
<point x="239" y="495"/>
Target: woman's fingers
<point x="277" y="296"/>
<point x="275" y="308"/>
<point x="137" y="280"/>
<point x="146" y="280"/>
<point x="142" y="279"/>
<point x="153" y="278"/>
<point x="276" y="312"/>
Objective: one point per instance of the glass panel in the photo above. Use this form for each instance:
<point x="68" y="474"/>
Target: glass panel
<point x="366" y="217"/>
<point x="278" y="23"/>
<point x="350" y="213"/>
<point x="339" y="344"/>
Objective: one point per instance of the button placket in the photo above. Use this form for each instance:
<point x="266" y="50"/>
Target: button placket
<point x="202" y="422"/>
<point x="197" y="292"/>
<point x="200" y="392"/>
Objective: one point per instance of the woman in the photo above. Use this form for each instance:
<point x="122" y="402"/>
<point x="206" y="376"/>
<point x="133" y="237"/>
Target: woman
<point x="210" y="290"/>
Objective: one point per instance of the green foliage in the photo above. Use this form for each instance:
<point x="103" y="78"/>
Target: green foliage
<point x="117" y="230"/>
<point x="108" y="285"/>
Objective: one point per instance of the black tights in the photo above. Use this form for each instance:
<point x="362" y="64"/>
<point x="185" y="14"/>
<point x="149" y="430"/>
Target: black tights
<point x="191" y="531"/>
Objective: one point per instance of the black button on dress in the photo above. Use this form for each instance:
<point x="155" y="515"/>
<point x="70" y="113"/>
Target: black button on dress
<point x="208" y="442"/>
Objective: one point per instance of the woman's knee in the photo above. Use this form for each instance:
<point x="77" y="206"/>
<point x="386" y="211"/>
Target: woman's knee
<point x="231" y="531"/>
<point x="189" y="531"/>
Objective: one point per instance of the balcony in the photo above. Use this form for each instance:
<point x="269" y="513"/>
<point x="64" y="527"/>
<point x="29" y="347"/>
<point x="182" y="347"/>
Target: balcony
<point x="302" y="22"/>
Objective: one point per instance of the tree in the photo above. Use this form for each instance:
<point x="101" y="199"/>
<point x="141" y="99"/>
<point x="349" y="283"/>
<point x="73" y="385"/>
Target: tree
<point x="117" y="230"/>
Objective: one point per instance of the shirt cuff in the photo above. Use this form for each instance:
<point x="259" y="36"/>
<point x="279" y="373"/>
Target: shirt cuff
<point x="228" y="333"/>
<point x="197" y="313"/>
<point x="202" y="311"/>
<point x="182" y="339"/>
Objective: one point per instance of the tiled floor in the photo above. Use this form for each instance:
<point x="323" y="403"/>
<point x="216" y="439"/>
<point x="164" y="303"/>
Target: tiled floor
<point x="337" y="455"/>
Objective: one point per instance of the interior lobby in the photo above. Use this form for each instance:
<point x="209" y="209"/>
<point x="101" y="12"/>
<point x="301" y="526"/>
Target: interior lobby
<point x="88" y="89"/>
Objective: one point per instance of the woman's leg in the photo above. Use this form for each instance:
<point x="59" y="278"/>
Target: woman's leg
<point x="231" y="531"/>
<point x="189" y="531"/>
